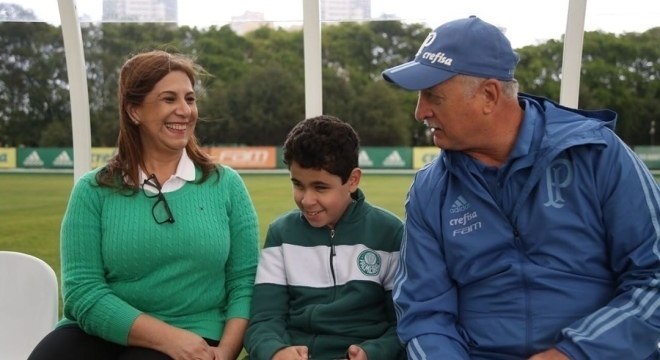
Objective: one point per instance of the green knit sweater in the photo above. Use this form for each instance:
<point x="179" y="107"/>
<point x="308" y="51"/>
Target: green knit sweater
<point x="196" y="273"/>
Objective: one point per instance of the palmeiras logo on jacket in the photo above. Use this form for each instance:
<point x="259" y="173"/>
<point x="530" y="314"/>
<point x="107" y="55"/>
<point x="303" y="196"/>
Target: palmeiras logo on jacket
<point x="369" y="262"/>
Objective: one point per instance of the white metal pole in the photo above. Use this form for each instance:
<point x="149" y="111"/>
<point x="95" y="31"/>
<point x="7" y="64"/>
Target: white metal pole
<point x="76" y="69"/>
<point x="312" y="44"/>
<point x="572" y="56"/>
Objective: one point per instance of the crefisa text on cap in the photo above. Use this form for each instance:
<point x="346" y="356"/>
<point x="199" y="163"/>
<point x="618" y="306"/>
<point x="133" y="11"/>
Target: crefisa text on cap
<point x="438" y="57"/>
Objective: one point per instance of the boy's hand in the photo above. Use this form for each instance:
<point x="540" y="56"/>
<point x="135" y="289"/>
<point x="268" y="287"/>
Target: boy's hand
<point x="292" y="353"/>
<point x="356" y="353"/>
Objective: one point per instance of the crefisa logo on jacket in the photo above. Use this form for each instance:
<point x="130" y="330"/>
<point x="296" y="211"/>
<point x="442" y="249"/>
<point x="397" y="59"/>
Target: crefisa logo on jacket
<point x="463" y="221"/>
<point x="369" y="262"/>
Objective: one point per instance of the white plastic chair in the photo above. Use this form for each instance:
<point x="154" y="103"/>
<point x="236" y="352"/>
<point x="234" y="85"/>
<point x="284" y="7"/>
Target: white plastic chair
<point x="28" y="303"/>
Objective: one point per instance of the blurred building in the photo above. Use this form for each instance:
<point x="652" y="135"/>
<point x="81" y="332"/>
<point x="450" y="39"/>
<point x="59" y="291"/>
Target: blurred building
<point x="342" y="10"/>
<point x="249" y="21"/>
<point x="140" y="11"/>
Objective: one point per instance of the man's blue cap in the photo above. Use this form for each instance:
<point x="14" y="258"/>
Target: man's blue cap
<point x="467" y="46"/>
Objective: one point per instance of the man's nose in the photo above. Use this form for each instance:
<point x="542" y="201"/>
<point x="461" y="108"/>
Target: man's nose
<point x="423" y="110"/>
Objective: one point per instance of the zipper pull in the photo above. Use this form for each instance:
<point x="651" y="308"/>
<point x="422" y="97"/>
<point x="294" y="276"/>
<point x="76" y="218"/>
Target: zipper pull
<point x="332" y="244"/>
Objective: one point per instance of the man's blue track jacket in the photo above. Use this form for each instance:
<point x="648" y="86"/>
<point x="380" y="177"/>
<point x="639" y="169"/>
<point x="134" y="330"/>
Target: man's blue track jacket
<point x="559" y="247"/>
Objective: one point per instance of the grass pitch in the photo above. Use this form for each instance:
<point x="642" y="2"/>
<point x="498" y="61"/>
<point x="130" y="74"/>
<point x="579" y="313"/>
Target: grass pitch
<point x="32" y="206"/>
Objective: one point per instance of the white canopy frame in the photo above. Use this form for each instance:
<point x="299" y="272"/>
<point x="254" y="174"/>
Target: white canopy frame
<point x="77" y="72"/>
<point x="75" y="60"/>
<point x="571" y="68"/>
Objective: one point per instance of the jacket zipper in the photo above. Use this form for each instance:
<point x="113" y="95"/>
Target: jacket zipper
<point x="332" y="255"/>
<point x="334" y="282"/>
<point x="528" y="316"/>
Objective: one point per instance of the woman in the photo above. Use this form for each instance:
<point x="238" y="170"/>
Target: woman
<point x="159" y="248"/>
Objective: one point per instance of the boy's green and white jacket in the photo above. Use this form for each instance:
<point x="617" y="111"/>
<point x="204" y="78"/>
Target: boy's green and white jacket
<point x="328" y="288"/>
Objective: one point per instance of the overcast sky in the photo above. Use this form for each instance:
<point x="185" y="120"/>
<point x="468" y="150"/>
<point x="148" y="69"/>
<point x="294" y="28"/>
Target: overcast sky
<point x="526" y="22"/>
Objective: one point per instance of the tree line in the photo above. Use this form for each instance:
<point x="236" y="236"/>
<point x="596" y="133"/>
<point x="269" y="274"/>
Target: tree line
<point x="254" y="91"/>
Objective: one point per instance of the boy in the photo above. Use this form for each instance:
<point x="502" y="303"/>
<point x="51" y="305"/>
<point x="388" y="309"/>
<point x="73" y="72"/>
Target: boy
<point x="324" y="280"/>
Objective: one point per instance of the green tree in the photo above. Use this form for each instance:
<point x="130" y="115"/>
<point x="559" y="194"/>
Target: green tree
<point x="357" y="53"/>
<point x="223" y="54"/>
<point x="265" y="105"/>
<point x="254" y="91"/>
<point x="56" y="134"/>
<point x="216" y="123"/>
<point x="276" y="47"/>
<point x="339" y="97"/>
<point x="539" y="69"/>
<point x="618" y="72"/>
<point x="378" y="119"/>
<point x="33" y="81"/>
<point x="621" y="73"/>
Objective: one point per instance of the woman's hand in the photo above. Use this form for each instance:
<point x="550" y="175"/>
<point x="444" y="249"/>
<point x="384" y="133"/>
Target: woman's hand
<point x="179" y="344"/>
<point x="189" y="346"/>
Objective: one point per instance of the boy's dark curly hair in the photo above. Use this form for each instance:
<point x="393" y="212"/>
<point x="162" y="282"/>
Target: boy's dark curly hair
<point x="323" y="143"/>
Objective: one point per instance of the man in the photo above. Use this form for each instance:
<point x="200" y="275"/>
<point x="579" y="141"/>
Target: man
<point x="536" y="232"/>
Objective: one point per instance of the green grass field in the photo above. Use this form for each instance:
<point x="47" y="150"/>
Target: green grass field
<point x="32" y="206"/>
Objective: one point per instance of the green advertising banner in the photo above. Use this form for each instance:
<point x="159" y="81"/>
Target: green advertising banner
<point x="372" y="157"/>
<point x="101" y="155"/>
<point x="650" y="155"/>
<point x="423" y="155"/>
<point x="45" y="158"/>
<point x="7" y="158"/>
<point x="279" y="162"/>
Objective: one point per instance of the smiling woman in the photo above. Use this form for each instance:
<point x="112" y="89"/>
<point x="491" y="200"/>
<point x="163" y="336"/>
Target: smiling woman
<point x="167" y="118"/>
<point x="124" y="253"/>
<point x="158" y="113"/>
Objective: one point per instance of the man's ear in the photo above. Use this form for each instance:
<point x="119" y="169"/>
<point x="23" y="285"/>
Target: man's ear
<point x="354" y="179"/>
<point x="491" y="90"/>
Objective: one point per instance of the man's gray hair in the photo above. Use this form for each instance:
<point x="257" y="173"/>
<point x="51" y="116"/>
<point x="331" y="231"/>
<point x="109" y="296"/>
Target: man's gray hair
<point x="471" y="83"/>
